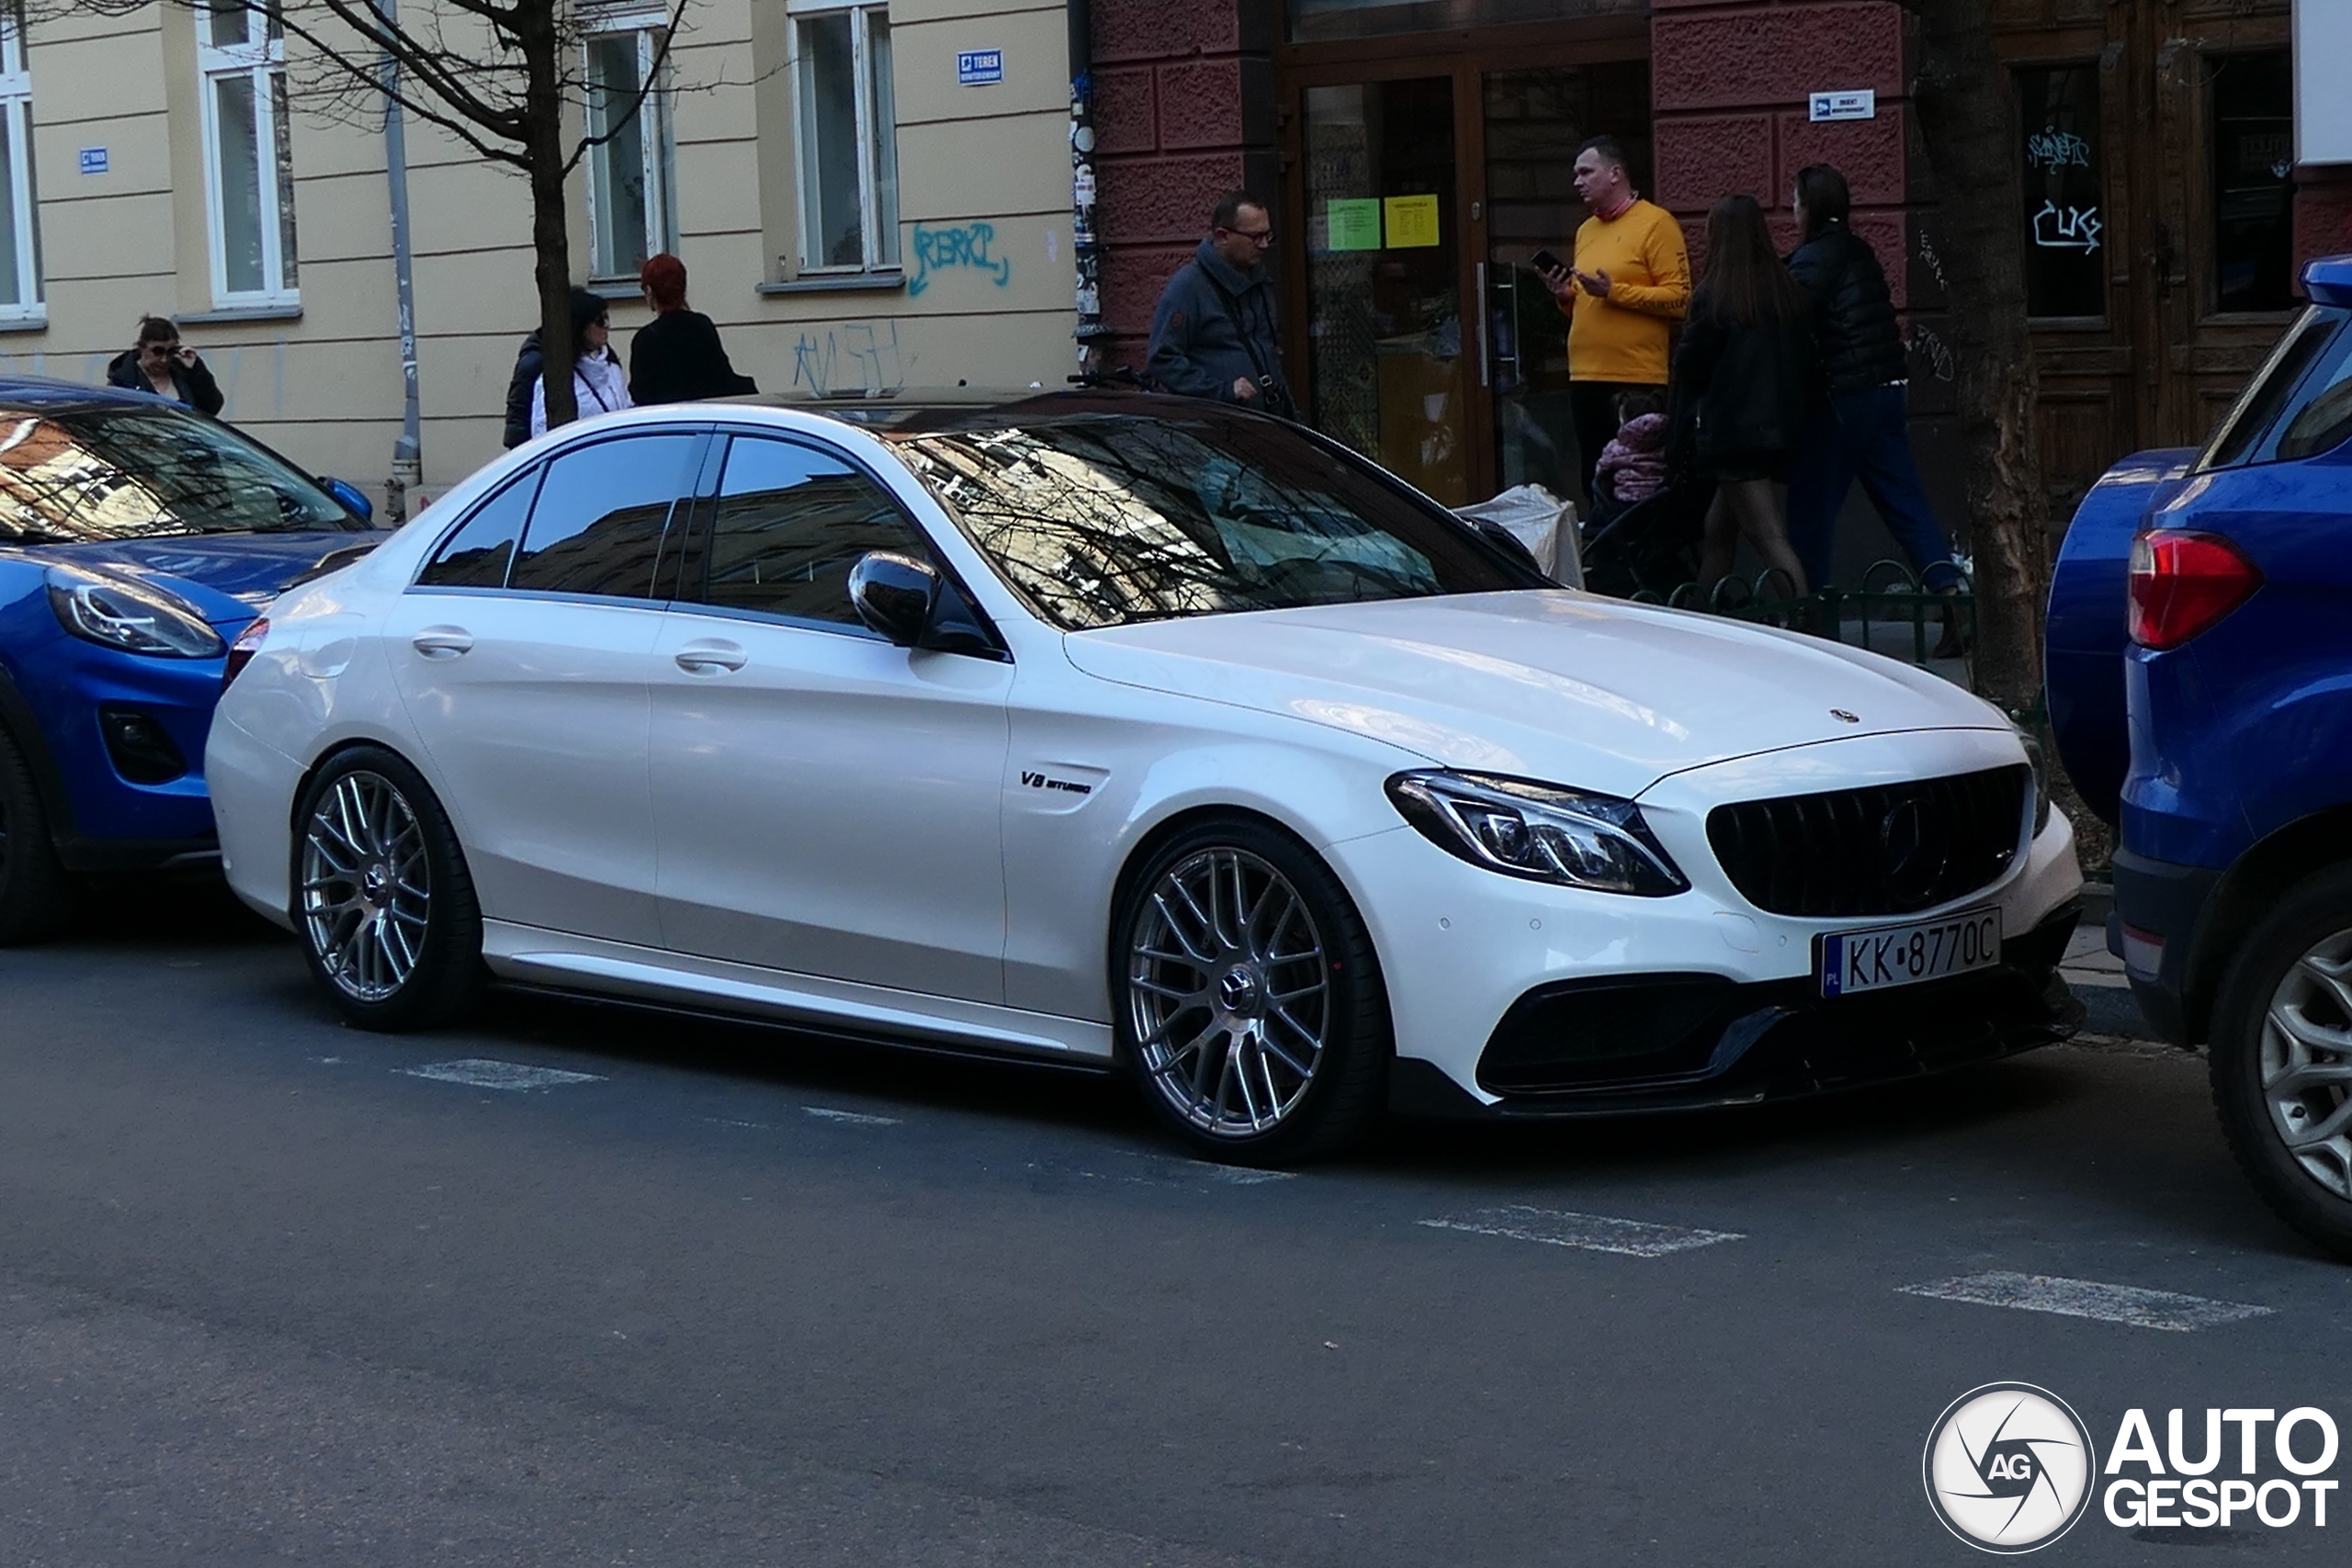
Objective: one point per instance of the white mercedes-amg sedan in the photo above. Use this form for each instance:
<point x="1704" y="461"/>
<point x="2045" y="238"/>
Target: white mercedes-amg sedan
<point x="1129" y="733"/>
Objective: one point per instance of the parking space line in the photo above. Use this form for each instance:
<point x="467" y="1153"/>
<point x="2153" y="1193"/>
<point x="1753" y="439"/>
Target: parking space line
<point x="853" y="1118"/>
<point x="480" y="1072"/>
<point x="2167" y="1310"/>
<point x="1592" y="1233"/>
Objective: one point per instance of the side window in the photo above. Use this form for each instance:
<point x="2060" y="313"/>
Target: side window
<point x="596" y="527"/>
<point x="475" y="556"/>
<point x="791" y="522"/>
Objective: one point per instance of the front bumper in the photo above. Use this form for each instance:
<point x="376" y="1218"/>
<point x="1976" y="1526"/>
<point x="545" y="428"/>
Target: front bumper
<point x="1648" y="1043"/>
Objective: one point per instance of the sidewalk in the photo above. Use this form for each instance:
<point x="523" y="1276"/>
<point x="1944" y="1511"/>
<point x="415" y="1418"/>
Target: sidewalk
<point x="2097" y="977"/>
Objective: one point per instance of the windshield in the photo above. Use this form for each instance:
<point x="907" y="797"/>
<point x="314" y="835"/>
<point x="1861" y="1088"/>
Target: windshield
<point x="1102" y="519"/>
<point x="123" y="471"/>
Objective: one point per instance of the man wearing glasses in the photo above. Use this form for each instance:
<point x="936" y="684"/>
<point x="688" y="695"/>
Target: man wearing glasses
<point x="1214" y="333"/>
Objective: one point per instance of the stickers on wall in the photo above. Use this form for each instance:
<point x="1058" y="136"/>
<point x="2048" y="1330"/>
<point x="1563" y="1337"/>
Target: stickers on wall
<point x="1352" y="224"/>
<point x="1412" y="221"/>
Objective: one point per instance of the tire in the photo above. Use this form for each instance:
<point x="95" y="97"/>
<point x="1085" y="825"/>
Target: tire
<point x="383" y="905"/>
<point x="1247" y="997"/>
<point x="2277" y="1075"/>
<point x="33" y="883"/>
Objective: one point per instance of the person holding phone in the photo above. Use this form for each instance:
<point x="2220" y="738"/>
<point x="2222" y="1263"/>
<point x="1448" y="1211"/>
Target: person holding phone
<point x="1628" y="284"/>
<point x="159" y="363"/>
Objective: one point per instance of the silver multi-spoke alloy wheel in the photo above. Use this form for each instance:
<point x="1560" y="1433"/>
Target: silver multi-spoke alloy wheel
<point x="367" y="888"/>
<point x="2307" y="1063"/>
<point x="1228" y="993"/>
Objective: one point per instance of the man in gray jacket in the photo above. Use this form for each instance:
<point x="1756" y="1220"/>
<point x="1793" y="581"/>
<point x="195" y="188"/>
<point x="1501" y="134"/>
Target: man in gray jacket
<point x="1214" y="333"/>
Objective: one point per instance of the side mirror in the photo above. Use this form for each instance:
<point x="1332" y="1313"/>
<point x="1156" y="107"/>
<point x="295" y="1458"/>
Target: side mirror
<point x="894" y="594"/>
<point x="355" y="500"/>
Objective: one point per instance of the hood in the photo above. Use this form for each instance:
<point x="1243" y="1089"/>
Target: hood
<point x="227" y="577"/>
<point x="1571" y="688"/>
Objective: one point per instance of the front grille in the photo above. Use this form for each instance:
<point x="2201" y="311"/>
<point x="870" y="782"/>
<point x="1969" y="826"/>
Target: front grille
<point x="1887" y="850"/>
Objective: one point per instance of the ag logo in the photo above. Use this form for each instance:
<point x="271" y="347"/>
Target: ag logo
<point x="2008" y="1467"/>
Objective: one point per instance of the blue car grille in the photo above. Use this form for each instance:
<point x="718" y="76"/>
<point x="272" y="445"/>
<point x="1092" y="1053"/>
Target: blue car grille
<point x="1886" y="849"/>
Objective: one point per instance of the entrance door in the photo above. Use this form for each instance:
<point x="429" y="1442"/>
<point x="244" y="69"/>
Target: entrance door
<point x="1424" y="183"/>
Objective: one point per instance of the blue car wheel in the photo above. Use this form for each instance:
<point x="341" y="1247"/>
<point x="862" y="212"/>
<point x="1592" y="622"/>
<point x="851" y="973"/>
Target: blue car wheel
<point x="32" y="883"/>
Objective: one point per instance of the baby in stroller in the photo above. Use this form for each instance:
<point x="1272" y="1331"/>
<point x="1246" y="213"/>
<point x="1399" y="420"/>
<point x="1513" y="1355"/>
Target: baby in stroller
<point x="1648" y="513"/>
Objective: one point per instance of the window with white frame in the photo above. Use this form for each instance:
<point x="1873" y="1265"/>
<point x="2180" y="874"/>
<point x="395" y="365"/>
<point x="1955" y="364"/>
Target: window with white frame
<point x="848" y="134"/>
<point x="632" y="213"/>
<point x="19" y="211"/>
<point x="248" y="154"/>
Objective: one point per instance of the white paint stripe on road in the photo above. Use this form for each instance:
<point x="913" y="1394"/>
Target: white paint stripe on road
<point x="2166" y="1310"/>
<point x="853" y="1118"/>
<point x="1593" y="1232"/>
<point x="480" y="1072"/>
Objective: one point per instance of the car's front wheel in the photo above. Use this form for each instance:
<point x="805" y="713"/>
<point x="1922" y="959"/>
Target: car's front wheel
<point x="32" y="882"/>
<point x="2282" y="1059"/>
<point x="382" y="899"/>
<point x="1248" y="997"/>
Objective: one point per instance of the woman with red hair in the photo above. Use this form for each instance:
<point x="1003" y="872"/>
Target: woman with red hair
<point x="676" y="357"/>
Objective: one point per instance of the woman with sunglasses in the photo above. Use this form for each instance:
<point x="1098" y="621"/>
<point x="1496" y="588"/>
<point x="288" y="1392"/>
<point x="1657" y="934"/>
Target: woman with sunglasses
<point x="161" y="364"/>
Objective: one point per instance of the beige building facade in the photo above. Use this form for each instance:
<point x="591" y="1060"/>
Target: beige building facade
<point x="865" y="196"/>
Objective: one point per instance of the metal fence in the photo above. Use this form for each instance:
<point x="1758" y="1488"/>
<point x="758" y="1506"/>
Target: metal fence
<point x="1891" y="612"/>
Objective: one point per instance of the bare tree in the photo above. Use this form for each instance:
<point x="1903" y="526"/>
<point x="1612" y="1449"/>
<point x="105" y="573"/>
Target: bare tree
<point x="507" y="78"/>
<point x="1963" y="97"/>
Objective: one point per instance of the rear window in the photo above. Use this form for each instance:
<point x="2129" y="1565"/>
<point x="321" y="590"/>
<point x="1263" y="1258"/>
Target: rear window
<point x="2299" y="404"/>
<point x="131" y="471"/>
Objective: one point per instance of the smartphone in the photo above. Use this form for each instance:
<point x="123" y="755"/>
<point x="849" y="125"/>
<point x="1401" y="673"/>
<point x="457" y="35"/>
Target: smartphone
<point x="1544" y="261"/>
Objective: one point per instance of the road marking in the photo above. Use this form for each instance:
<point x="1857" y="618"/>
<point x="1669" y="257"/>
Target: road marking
<point x="1594" y="1232"/>
<point x="853" y="1118"/>
<point x="2166" y="1310"/>
<point x="480" y="1072"/>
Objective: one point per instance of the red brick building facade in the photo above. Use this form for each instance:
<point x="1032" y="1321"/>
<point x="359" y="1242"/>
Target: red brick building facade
<point x="2165" y="219"/>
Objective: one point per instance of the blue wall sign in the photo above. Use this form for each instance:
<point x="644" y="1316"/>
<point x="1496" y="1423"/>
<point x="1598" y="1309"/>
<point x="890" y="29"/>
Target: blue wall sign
<point x="980" y="67"/>
<point x="94" y="160"/>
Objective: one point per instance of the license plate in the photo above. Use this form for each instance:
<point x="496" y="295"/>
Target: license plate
<point x="1886" y="956"/>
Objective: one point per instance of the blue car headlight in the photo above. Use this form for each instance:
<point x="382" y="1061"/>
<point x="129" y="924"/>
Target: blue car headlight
<point x="1540" y="831"/>
<point x="131" y="617"/>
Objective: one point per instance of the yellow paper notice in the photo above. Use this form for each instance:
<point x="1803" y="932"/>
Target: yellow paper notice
<point x="1412" y="220"/>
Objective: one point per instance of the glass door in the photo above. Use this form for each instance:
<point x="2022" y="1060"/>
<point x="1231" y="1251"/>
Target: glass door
<point x="1533" y="120"/>
<point x="1389" y="372"/>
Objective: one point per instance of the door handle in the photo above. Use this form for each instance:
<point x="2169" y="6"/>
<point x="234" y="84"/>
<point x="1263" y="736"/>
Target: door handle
<point x="709" y="657"/>
<point x="1485" y="351"/>
<point x="442" y="642"/>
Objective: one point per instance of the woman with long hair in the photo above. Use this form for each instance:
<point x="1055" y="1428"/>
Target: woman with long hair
<point x="1743" y="378"/>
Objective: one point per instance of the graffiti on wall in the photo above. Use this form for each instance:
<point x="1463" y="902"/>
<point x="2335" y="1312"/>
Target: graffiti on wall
<point x="853" y="357"/>
<point x="2053" y="149"/>
<point x="957" y="247"/>
<point x="2059" y="227"/>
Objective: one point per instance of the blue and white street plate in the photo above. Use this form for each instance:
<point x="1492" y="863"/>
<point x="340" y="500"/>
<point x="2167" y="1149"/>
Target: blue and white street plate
<point x="980" y="67"/>
<point x="1883" y="957"/>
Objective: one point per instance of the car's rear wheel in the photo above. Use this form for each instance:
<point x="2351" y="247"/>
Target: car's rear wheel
<point x="1248" y="997"/>
<point x="2282" y="1059"/>
<point x="382" y="899"/>
<point x="33" y="884"/>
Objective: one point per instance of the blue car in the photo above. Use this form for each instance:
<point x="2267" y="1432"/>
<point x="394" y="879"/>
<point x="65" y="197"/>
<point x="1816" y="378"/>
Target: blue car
<point x="2201" y="685"/>
<point x="137" y="539"/>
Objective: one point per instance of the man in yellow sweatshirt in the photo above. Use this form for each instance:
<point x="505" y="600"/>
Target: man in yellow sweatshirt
<point x="1629" y="283"/>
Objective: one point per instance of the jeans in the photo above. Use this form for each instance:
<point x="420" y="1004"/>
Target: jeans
<point x="1864" y="435"/>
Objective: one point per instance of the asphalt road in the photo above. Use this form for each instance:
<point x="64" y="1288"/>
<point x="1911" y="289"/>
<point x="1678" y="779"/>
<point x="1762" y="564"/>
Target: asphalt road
<point x="739" y="1297"/>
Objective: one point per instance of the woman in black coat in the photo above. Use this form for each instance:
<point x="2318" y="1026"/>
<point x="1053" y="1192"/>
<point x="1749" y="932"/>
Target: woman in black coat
<point x="161" y="364"/>
<point x="1742" y="380"/>
<point x="676" y="357"/>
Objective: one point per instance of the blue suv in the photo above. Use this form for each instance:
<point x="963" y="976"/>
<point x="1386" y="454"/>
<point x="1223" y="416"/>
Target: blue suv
<point x="138" y="540"/>
<point x="2223" y="579"/>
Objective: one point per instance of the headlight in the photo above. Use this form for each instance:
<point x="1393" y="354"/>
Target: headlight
<point x="1539" y="831"/>
<point x="131" y="617"/>
<point x="2033" y="755"/>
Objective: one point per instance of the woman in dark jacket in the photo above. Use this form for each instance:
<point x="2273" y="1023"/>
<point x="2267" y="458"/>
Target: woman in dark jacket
<point x="1742" y="377"/>
<point x="676" y="357"/>
<point x="1864" y="431"/>
<point x="162" y="365"/>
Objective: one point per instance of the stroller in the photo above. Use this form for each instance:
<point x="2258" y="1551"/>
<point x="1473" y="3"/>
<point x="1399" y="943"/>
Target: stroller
<point x="1649" y="548"/>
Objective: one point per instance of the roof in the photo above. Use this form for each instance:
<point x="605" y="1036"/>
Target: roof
<point x="918" y="411"/>
<point x="2328" y="280"/>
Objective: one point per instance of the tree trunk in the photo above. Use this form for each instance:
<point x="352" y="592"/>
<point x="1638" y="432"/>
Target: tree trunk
<point x="551" y="233"/>
<point x="1962" y="99"/>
